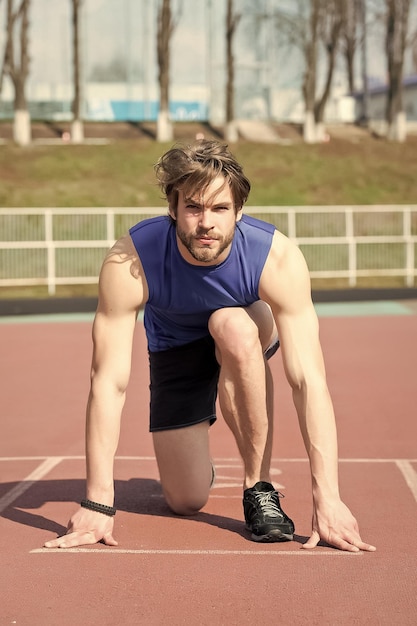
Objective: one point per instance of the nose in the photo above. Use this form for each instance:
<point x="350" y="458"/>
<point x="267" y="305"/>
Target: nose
<point x="206" y="219"/>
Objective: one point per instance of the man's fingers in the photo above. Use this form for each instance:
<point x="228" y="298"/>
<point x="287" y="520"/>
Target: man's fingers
<point x="51" y="544"/>
<point x="74" y="539"/>
<point x="344" y="545"/>
<point x="354" y="539"/>
<point x="109" y="540"/>
<point x="365" y="546"/>
<point x="348" y="544"/>
<point x="70" y="541"/>
<point x="312" y="542"/>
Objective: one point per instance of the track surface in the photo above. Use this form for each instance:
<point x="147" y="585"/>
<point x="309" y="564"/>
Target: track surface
<point x="204" y="570"/>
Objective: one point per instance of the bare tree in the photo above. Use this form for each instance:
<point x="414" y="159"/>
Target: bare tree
<point x="16" y="66"/>
<point x="232" y="20"/>
<point x="363" y="16"/>
<point x="397" y="25"/>
<point x="309" y="44"/>
<point x="3" y="64"/>
<point x="77" y="128"/>
<point x="350" y="38"/>
<point x="331" y="18"/>
<point x="414" y="51"/>
<point x="165" y="28"/>
<point x="315" y="28"/>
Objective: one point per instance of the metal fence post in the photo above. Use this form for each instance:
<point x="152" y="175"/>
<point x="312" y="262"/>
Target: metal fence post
<point x="49" y="240"/>
<point x="292" y="225"/>
<point x="350" y="236"/>
<point x="110" y="226"/>
<point x="409" y="248"/>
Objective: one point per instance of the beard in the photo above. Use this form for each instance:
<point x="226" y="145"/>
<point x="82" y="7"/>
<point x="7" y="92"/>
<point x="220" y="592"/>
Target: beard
<point x="205" y="254"/>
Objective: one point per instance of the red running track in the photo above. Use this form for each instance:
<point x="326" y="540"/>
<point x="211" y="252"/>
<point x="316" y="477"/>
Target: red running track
<point x="204" y="570"/>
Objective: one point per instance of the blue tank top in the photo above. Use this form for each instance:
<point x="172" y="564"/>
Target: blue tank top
<point x="182" y="296"/>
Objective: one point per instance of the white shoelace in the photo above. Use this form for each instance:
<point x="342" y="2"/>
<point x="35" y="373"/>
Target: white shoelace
<point x="269" y="506"/>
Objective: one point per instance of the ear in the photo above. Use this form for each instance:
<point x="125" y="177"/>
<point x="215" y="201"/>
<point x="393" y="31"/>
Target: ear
<point x="172" y="213"/>
<point x="239" y="214"/>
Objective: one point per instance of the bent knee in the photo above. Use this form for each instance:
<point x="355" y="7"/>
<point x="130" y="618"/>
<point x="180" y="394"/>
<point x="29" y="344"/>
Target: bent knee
<point x="182" y="505"/>
<point x="234" y="331"/>
<point x="232" y="324"/>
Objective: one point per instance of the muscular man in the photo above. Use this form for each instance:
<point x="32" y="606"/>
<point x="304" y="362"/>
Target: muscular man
<point x="218" y="289"/>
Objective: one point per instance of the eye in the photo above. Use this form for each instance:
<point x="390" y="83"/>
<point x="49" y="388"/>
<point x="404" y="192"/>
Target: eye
<point x="192" y="209"/>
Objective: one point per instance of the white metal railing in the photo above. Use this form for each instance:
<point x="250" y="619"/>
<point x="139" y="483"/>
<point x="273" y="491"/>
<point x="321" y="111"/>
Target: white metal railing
<point x="62" y="246"/>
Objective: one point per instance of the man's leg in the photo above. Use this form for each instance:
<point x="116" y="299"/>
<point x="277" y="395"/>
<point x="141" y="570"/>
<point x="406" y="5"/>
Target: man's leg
<point x="246" y="398"/>
<point x="245" y="383"/>
<point x="184" y="466"/>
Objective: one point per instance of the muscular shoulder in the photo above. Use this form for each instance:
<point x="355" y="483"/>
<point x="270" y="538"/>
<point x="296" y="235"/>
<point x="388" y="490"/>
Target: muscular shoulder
<point x="285" y="278"/>
<point x="285" y="254"/>
<point x="122" y="283"/>
<point x="123" y="253"/>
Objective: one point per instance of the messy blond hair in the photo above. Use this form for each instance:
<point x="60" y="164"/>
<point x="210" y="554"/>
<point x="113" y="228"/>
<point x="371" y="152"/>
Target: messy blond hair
<point x="192" y="168"/>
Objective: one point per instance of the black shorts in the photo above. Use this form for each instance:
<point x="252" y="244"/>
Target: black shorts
<point x="183" y="385"/>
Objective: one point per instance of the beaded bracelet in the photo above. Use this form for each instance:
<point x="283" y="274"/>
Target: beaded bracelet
<point x="98" y="508"/>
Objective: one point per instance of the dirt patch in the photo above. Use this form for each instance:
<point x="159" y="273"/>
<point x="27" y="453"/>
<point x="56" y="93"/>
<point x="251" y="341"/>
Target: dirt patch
<point x="113" y="131"/>
<point x="183" y="131"/>
<point x="348" y="132"/>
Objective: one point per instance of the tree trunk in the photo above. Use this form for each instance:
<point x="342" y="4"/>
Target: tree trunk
<point x="77" y="127"/>
<point x="325" y="25"/>
<point x="310" y="74"/>
<point x="396" y="41"/>
<point x="165" y="131"/>
<point x="350" y="28"/>
<point x="18" y="71"/>
<point x="21" y="127"/>
<point x="309" y="127"/>
<point x="364" y="64"/>
<point x="397" y="129"/>
<point x="230" y="132"/>
<point x="331" y="48"/>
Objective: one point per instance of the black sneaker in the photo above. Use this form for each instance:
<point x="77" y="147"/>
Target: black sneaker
<point x="264" y="516"/>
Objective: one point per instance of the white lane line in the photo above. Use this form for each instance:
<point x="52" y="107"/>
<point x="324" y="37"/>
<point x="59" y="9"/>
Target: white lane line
<point x="37" y="474"/>
<point x="212" y="495"/>
<point x="216" y="460"/>
<point x="41" y="458"/>
<point x="409" y="474"/>
<point x="300" y="552"/>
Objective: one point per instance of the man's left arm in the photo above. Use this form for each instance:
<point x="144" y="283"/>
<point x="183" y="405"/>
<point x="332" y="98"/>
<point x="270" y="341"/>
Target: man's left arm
<point x="285" y="285"/>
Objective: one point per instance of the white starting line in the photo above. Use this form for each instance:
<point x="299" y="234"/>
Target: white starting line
<point x="47" y="464"/>
<point x="107" y="550"/>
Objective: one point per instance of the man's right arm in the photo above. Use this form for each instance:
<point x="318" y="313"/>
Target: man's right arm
<point x="122" y="292"/>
